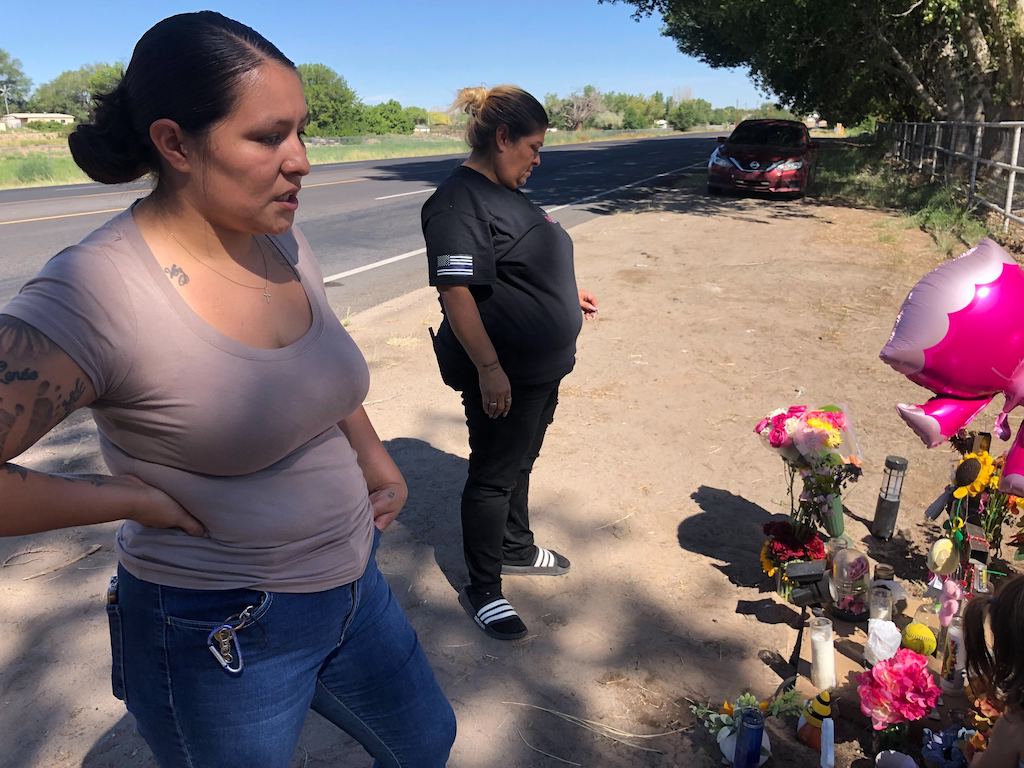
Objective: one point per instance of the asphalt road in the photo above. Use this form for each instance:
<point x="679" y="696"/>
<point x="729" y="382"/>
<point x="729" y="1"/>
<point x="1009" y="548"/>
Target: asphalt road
<point x="356" y="215"/>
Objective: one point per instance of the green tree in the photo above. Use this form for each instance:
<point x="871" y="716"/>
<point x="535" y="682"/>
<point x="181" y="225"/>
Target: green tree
<point x="418" y="115"/>
<point x="948" y="59"/>
<point x="73" y="91"/>
<point x="690" y="113"/>
<point x="13" y="80"/>
<point x="334" y="108"/>
<point x="387" y="117"/>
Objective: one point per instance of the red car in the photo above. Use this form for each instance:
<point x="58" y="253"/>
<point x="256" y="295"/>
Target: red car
<point x="773" y="156"/>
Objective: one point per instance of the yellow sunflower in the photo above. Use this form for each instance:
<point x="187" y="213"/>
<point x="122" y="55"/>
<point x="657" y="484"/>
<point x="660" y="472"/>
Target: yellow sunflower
<point x="972" y="474"/>
<point x="766" y="562"/>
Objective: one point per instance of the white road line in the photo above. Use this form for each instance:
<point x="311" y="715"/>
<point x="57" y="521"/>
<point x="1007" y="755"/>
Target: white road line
<point x="624" y="186"/>
<point x="405" y="194"/>
<point x="420" y="251"/>
<point x="374" y="265"/>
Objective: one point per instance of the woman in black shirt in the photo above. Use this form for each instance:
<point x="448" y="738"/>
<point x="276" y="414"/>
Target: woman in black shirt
<point x="504" y="271"/>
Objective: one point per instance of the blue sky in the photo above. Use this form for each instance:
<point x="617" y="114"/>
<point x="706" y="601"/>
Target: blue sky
<point x="418" y="52"/>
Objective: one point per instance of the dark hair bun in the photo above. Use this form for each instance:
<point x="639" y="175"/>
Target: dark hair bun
<point x="109" y="149"/>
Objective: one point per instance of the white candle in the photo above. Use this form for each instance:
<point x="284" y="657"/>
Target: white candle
<point x="823" y="654"/>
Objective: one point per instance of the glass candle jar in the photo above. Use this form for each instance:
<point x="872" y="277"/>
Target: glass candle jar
<point x="850" y="580"/>
<point x="823" y="654"/>
<point x="881" y="604"/>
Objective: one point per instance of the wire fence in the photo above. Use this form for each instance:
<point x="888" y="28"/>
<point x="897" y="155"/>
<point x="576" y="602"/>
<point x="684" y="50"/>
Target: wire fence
<point x="980" y="159"/>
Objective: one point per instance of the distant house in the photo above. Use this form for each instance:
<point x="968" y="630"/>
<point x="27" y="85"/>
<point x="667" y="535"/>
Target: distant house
<point x="421" y="128"/>
<point x="22" y="119"/>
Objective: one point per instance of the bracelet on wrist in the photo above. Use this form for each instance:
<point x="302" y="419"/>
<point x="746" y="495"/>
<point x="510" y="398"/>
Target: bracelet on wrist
<point x="490" y="366"/>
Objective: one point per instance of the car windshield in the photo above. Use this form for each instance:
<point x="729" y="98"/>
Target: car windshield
<point x="768" y="135"/>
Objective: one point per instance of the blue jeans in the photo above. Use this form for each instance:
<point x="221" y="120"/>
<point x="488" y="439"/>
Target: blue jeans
<point x="349" y="653"/>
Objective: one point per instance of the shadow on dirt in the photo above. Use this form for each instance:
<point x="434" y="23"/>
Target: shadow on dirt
<point x="729" y="530"/>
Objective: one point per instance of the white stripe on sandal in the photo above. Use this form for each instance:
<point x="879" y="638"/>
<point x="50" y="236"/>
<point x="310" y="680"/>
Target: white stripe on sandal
<point x="496" y="610"/>
<point x="544" y="559"/>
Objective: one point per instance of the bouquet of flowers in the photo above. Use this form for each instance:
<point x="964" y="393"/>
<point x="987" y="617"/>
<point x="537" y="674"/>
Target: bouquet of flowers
<point x="973" y="499"/>
<point x="818" y="445"/>
<point x="897" y="690"/>
<point x="785" y="704"/>
<point x="784" y="545"/>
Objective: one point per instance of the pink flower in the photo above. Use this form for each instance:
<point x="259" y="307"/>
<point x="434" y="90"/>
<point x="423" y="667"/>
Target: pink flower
<point x="897" y="690"/>
<point x="761" y="425"/>
<point x="778" y="438"/>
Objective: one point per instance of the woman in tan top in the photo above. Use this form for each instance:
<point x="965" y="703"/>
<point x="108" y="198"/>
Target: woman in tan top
<point x="227" y="398"/>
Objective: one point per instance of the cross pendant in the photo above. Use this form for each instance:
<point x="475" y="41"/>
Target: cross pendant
<point x="266" y="295"/>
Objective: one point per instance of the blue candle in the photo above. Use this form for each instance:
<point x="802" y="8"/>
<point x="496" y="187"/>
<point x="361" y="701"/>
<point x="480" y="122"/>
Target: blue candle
<point x="749" y="735"/>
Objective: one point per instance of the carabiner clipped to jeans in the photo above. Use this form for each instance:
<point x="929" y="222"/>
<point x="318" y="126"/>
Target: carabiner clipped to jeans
<point x="222" y="642"/>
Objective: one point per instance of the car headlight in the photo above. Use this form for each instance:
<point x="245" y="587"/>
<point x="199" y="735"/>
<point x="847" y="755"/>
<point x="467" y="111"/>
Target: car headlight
<point x="721" y="162"/>
<point x="790" y="165"/>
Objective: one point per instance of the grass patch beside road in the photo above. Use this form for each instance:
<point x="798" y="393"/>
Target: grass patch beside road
<point x="35" y="158"/>
<point x="38" y="169"/>
<point x="857" y="173"/>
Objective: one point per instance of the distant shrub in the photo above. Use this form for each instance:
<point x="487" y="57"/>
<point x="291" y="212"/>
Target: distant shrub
<point x="34" y="168"/>
<point x="51" y="126"/>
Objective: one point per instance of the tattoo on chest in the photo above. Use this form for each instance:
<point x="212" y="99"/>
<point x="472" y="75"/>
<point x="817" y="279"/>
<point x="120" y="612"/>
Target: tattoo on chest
<point x="177" y="273"/>
<point x="10" y="375"/>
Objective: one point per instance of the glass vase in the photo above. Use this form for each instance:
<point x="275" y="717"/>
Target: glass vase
<point x="894" y="737"/>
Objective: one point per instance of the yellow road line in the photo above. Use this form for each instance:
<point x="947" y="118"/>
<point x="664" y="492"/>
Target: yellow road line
<point x="76" y="197"/>
<point x="331" y="183"/>
<point x="60" y="216"/>
<point x="112" y="210"/>
<point x="146" y="191"/>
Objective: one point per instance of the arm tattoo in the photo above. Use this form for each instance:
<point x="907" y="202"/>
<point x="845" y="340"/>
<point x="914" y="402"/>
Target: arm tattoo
<point x="7" y="420"/>
<point x="21" y="339"/>
<point x="68" y="403"/>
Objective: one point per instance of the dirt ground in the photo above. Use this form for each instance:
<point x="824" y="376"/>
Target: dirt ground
<point x="713" y="312"/>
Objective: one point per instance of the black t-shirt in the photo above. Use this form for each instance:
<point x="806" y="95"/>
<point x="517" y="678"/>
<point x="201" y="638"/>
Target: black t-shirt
<point x="517" y="262"/>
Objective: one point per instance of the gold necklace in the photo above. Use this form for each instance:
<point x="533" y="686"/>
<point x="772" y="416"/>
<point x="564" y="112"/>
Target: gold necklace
<point x="259" y="246"/>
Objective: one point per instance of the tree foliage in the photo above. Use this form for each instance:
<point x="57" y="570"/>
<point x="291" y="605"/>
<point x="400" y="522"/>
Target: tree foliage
<point x="14" y="80"/>
<point x="950" y="59"/>
<point x="334" y="108"/>
<point x="73" y="92"/>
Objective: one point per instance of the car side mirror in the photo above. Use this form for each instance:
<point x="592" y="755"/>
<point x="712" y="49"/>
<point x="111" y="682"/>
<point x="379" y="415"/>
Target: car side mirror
<point x="722" y="139"/>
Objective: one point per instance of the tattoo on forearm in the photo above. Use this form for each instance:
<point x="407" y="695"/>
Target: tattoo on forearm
<point x="177" y="273"/>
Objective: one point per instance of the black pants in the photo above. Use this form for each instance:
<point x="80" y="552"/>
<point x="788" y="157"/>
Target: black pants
<point x="495" y="503"/>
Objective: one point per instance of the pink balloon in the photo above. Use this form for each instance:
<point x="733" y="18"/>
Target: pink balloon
<point x="960" y="333"/>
